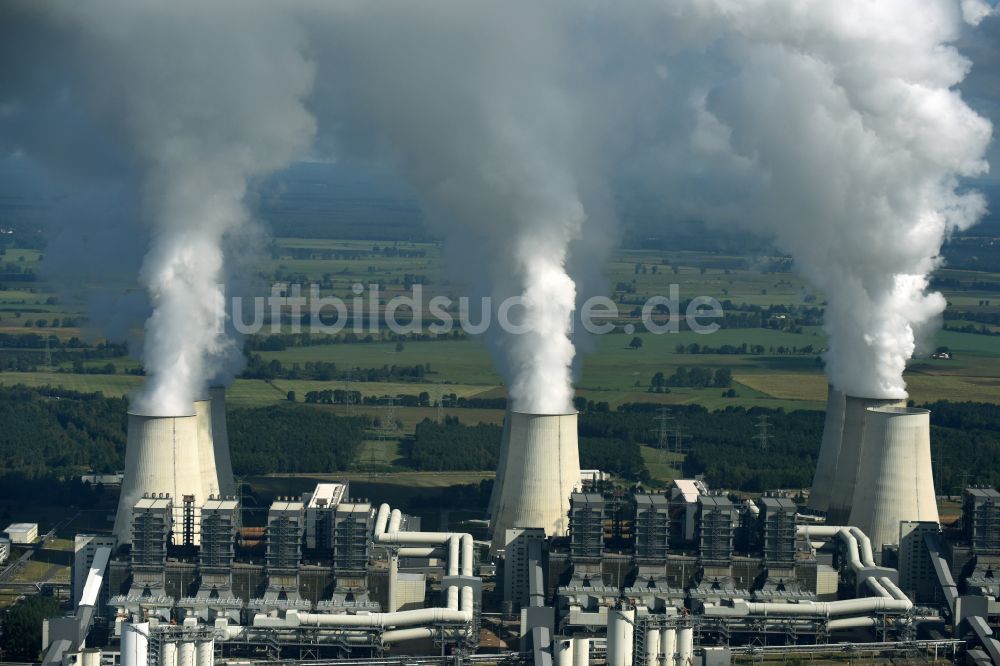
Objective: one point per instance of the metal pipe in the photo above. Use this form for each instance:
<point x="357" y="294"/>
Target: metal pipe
<point x="562" y="648"/>
<point x="453" y="555"/>
<point x="652" y="647"/>
<point x="467" y="554"/>
<point x="581" y="652"/>
<point x="374" y="620"/>
<point x="395" y="520"/>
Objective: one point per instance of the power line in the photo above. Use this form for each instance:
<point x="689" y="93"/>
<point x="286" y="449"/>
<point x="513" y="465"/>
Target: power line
<point x="763" y="432"/>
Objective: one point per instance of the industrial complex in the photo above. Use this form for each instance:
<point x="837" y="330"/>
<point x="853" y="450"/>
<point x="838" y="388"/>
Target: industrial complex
<point x="575" y="569"/>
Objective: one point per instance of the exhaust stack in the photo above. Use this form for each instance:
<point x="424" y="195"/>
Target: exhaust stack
<point x="829" y="451"/>
<point x="161" y="456"/>
<point x="852" y="440"/>
<point x="895" y="480"/>
<point x="220" y="442"/>
<point x="538" y="471"/>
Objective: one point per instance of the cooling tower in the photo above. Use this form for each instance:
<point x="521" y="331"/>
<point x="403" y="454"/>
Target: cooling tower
<point x="829" y="451"/>
<point x="161" y="456"/>
<point x="220" y="442"/>
<point x="842" y="493"/>
<point x="895" y="481"/>
<point x="540" y="470"/>
<point x="501" y="466"/>
<point x="206" y="451"/>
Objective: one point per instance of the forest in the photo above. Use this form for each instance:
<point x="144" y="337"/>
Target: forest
<point x="52" y="434"/>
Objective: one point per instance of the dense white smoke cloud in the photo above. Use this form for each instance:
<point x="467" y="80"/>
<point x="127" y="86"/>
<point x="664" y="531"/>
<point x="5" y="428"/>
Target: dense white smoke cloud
<point x="476" y="104"/>
<point x="202" y="97"/>
<point x="835" y="129"/>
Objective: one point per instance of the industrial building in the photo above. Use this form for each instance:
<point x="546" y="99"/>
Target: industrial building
<point x="588" y="570"/>
<point x="22" y="533"/>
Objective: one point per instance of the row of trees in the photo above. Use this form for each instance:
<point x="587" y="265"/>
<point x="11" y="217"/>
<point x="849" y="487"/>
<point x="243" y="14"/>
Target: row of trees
<point x="693" y="377"/>
<point x="452" y="445"/>
<point x="325" y="371"/>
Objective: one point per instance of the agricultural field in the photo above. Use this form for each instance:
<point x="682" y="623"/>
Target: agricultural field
<point x="785" y="372"/>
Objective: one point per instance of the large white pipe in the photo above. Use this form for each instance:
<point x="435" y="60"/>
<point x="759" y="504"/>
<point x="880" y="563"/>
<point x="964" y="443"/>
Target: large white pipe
<point x="185" y="653"/>
<point x="382" y="519"/>
<point x="135" y="644"/>
<point x="467" y="554"/>
<point x="668" y="646"/>
<point x="562" y="649"/>
<point x="168" y="654"/>
<point x="620" y="633"/>
<point x="460" y="544"/>
<point x="453" y="544"/>
<point x="859" y="552"/>
<point x="395" y="520"/>
<point x="685" y="646"/>
<point x="422" y="552"/>
<point x="205" y="653"/>
<point x="581" y="652"/>
<point x="373" y="620"/>
<point x="850" y="623"/>
<point x="418" y="633"/>
<point x="652" y="647"/>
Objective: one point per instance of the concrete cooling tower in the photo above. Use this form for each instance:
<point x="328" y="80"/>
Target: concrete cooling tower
<point x="501" y="465"/>
<point x="829" y="451"/>
<point x="842" y="492"/>
<point x="539" y="470"/>
<point x="161" y="456"/>
<point x="206" y="451"/>
<point x="895" y="481"/>
<point x="220" y="442"/>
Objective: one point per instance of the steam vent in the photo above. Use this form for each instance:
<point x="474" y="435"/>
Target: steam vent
<point x="538" y="471"/>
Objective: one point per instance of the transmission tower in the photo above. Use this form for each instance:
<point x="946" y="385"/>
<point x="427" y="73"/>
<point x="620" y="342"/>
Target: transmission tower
<point x="763" y="432"/>
<point x="662" y="430"/>
<point x="48" y="360"/>
<point x="349" y="394"/>
<point x="677" y="464"/>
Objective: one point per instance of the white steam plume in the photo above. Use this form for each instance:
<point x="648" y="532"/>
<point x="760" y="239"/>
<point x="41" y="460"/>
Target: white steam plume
<point x="836" y="129"/>
<point x="475" y="103"/>
<point x="204" y="96"/>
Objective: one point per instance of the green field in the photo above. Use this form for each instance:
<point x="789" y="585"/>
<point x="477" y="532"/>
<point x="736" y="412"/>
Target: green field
<point x="608" y="369"/>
